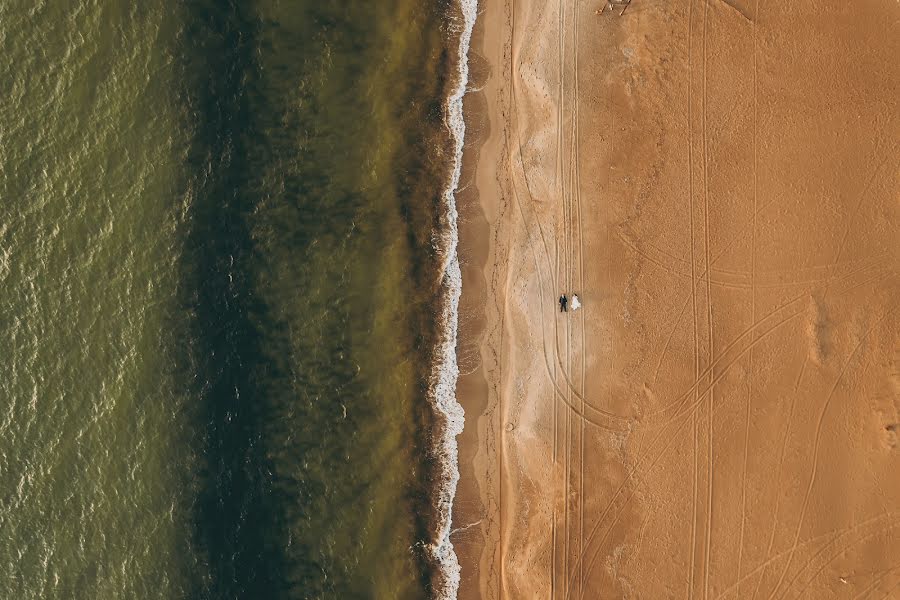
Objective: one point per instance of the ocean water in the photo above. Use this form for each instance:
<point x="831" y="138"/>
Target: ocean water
<point x="228" y="286"/>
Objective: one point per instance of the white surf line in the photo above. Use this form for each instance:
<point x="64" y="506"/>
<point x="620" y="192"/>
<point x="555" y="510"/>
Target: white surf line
<point x="446" y="369"/>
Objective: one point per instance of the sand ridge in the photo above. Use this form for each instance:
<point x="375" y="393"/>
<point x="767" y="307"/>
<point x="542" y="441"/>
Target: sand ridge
<point x="718" y="182"/>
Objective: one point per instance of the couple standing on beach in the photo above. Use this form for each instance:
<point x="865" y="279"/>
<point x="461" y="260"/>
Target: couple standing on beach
<point x="564" y="303"/>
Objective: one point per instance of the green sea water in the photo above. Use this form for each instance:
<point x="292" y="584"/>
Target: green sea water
<point x="218" y="272"/>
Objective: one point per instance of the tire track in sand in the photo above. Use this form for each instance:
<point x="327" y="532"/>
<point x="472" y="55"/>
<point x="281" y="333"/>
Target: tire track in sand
<point x="799" y="379"/>
<point x="709" y="321"/>
<point x="690" y="135"/>
<point x="559" y="393"/>
<point x="563" y="283"/>
<point x="694" y="425"/>
<point x="817" y="440"/>
<point x="882" y="530"/>
<point x="671" y="437"/>
<point x="837" y="534"/>
<point x="755" y="185"/>
<point x="578" y="203"/>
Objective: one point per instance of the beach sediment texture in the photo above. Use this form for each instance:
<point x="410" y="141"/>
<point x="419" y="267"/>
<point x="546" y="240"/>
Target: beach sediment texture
<point x="717" y="181"/>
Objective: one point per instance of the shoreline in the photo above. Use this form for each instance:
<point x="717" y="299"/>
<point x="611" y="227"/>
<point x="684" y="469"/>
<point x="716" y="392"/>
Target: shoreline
<point x="451" y="416"/>
<point x="479" y="202"/>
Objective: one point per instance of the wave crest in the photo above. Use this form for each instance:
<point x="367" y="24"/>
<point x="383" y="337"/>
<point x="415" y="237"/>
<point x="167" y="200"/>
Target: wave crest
<point x="446" y="370"/>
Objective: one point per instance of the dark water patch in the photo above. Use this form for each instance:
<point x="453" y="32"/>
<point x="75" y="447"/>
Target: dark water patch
<point x="318" y="155"/>
<point x="236" y="511"/>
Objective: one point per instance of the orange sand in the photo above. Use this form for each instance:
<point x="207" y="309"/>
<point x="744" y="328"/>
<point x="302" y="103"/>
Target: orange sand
<point x="718" y="180"/>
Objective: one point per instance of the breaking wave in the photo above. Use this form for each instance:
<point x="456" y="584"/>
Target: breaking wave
<point x="446" y="370"/>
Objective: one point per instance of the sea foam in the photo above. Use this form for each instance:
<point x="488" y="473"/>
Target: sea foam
<point x="446" y="369"/>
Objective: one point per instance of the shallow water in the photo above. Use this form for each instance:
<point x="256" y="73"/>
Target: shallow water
<point x="219" y="225"/>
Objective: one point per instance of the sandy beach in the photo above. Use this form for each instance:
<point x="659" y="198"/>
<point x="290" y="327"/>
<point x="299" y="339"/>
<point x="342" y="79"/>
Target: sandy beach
<point x="718" y="182"/>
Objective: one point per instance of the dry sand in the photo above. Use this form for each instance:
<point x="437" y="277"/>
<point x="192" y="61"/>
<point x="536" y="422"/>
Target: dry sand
<point x="718" y="180"/>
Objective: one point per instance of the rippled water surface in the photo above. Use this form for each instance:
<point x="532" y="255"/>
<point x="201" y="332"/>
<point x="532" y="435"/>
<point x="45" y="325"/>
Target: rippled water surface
<point x="217" y="260"/>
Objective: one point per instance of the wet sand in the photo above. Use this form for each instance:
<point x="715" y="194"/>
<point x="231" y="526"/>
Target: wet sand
<point x="718" y="181"/>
